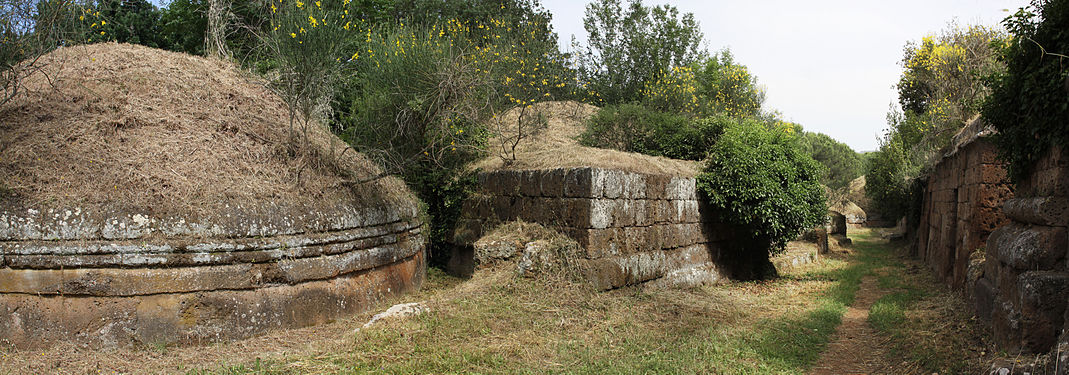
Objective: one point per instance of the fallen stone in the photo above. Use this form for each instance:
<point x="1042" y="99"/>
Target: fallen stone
<point x="397" y="311"/>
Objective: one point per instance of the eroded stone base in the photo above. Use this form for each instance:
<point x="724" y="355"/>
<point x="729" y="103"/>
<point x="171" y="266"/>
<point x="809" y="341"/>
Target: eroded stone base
<point x="32" y="321"/>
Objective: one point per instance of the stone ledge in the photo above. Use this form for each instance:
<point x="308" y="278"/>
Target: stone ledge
<point x="150" y="281"/>
<point x="232" y="222"/>
<point x="617" y="271"/>
<point x="1029" y="247"/>
<point x="585" y="182"/>
<point x="1051" y="211"/>
<point x="72" y="254"/>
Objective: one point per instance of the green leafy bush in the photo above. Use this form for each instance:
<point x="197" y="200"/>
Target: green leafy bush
<point x="1030" y="102"/>
<point x="758" y="178"/>
<point x="634" y="128"/>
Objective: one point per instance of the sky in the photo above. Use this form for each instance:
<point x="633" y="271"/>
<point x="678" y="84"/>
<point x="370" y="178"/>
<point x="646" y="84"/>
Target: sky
<point x="830" y="66"/>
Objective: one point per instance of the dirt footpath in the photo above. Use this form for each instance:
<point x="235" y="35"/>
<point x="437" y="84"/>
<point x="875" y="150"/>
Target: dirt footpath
<point x="856" y="348"/>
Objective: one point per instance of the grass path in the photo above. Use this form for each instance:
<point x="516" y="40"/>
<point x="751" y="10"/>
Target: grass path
<point x="902" y="320"/>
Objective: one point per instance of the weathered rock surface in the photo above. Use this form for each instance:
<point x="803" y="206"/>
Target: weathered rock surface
<point x="961" y="204"/>
<point x="1023" y="288"/>
<point x="836" y="223"/>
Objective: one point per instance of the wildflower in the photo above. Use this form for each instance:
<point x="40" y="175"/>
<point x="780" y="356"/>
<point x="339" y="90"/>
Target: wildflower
<point x="293" y="35"/>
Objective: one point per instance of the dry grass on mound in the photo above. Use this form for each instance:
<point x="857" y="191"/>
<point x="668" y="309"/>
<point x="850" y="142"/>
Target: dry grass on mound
<point x="556" y="145"/>
<point x="136" y="128"/>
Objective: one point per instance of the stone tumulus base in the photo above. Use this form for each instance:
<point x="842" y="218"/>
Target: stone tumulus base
<point x="197" y="318"/>
<point x="70" y="276"/>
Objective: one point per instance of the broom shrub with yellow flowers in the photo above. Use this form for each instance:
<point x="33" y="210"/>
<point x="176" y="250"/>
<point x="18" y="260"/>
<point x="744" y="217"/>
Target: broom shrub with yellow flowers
<point x="944" y="81"/>
<point x="308" y="42"/>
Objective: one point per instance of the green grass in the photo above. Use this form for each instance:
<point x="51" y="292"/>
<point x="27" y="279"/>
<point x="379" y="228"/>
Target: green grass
<point x="927" y="323"/>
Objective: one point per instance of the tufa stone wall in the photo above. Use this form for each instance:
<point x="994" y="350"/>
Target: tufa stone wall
<point x="1023" y="287"/>
<point x="107" y="278"/>
<point x="961" y="205"/>
<point x="632" y="227"/>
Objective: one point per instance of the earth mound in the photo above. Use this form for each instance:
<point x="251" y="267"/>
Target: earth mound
<point x="132" y="128"/>
<point x="556" y="145"/>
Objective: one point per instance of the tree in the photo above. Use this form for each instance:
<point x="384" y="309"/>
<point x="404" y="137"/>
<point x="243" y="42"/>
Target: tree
<point x="843" y="164"/>
<point x="182" y="26"/>
<point x="728" y="87"/>
<point x="629" y="47"/>
<point x="130" y="21"/>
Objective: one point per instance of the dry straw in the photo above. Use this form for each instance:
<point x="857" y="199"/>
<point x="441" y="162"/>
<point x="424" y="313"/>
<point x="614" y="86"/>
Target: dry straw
<point x="135" y="128"/>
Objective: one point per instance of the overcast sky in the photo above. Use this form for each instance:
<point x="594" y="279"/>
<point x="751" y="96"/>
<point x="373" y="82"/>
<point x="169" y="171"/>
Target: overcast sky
<point x="828" y="65"/>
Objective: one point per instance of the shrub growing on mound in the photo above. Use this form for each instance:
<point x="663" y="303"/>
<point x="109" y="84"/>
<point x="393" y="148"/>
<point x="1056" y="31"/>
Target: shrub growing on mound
<point x="634" y="128"/>
<point x="1030" y="102"/>
<point x="759" y="179"/>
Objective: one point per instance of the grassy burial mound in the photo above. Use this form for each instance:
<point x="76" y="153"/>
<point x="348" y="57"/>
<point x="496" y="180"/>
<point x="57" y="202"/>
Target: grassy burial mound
<point x="140" y="129"/>
<point x="152" y="196"/>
